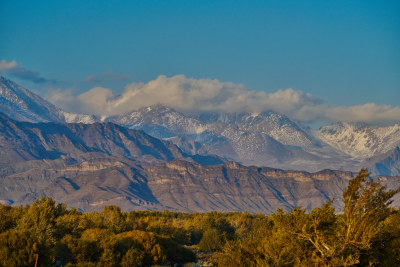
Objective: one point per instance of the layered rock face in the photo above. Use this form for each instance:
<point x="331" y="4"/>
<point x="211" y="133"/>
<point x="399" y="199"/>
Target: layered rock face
<point x="176" y="185"/>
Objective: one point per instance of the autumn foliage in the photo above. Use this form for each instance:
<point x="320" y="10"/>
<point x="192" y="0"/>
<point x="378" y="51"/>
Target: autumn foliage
<point x="366" y="233"/>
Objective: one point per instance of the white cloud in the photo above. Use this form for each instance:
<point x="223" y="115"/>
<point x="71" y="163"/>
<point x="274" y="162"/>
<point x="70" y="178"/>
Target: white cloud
<point x="195" y="95"/>
<point x="206" y="95"/>
<point x="63" y="99"/>
<point x="98" y="101"/>
<point x="7" y="65"/>
<point x="370" y="113"/>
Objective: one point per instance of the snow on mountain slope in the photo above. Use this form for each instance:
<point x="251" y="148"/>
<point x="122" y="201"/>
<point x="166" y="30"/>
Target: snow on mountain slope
<point x="270" y="123"/>
<point x="78" y="118"/>
<point x="166" y="123"/>
<point x="241" y="137"/>
<point x="160" y="121"/>
<point x="21" y="104"/>
<point x="265" y="139"/>
<point x="359" y="140"/>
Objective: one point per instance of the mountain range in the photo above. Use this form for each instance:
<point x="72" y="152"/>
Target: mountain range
<point x="159" y="158"/>
<point x="88" y="166"/>
<point x="272" y="139"/>
<point x="264" y="139"/>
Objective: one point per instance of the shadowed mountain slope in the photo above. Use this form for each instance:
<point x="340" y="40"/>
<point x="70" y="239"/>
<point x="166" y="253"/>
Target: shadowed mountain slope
<point x="22" y="141"/>
<point x="387" y="163"/>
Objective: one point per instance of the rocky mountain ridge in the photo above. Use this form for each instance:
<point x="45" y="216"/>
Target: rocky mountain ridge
<point x="263" y="139"/>
<point x="88" y="166"/>
<point x="176" y="185"/>
<point x="23" y="141"/>
<point x="269" y="139"/>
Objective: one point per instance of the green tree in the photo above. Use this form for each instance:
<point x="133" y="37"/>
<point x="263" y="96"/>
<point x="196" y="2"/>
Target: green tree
<point x="212" y="240"/>
<point x="132" y="257"/>
<point x="112" y="218"/>
<point x="323" y="238"/>
<point x="366" y="204"/>
<point x="9" y="217"/>
<point x="40" y="220"/>
<point x="17" y="248"/>
<point x="386" y="244"/>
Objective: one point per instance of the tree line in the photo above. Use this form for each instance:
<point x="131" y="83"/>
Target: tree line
<point x="366" y="233"/>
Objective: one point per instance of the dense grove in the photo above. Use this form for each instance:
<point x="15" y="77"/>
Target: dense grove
<point x="366" y="233"/>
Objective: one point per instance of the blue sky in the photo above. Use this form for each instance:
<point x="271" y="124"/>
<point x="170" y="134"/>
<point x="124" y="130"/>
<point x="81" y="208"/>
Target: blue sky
<point x="345" y="53"/>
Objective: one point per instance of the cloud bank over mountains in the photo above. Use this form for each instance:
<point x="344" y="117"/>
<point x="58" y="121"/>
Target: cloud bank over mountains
<point x="187" y="95"/>
<point x="207" y="95"/>
<point x="191" y="95"/>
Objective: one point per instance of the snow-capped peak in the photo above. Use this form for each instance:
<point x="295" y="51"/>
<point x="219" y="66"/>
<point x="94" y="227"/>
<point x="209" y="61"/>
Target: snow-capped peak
<point x="360" y="140"/>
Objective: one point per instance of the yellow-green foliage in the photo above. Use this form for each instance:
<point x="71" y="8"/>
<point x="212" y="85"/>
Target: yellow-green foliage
<point x="367" y="233"/>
